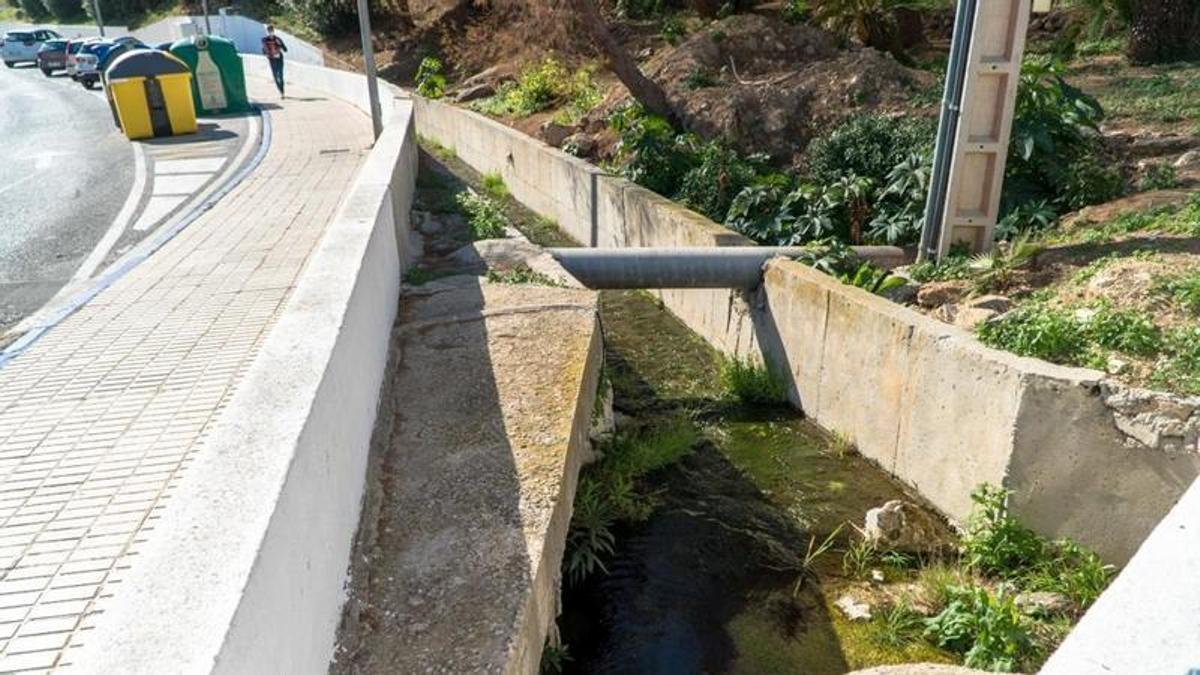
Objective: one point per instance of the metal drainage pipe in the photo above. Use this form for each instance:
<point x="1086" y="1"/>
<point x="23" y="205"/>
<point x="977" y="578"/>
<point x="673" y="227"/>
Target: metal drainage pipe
<point x="688" y="267"/>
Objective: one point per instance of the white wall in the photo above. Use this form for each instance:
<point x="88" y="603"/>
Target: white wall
<point x="247" y="572"/>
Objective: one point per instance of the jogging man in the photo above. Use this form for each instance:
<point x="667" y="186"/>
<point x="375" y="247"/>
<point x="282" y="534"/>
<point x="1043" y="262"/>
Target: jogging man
<point x="273" y="48"/>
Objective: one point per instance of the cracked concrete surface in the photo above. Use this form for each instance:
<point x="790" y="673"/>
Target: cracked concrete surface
<point x="492" y="394"/>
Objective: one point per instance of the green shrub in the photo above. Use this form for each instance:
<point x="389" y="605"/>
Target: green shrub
<point x="493" y="184"/>
<point x="1125" y="331"/>
<point x="671" y="29"/>
<point x="1070" y="569"/>
<point x="554" y="659"/>
<point x="995" y="543"/>
<point x="868" y="146"/>
<point x="1182" y="290"/>
<point x="1038" y="330"/>
<point x="753" y="382"/>
<point x="951" y="267"/>
<point x="698" y="78"/>
<point x="1179" y="369"/>
<point x="1159" y="177"/>
<point x="431" y="83"/>
<point x="717" y="176"/>
<point x="484" y="215"/>
<point x="986" y="628"/>
<point x="651" y="153"/>
<point x="542" y="86"/>
<point x="796" y="11"/>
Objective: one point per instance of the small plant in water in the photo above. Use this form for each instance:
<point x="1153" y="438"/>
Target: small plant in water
<point x="753" y="382"/>
<point x="485" y="217"/>
<point x="814" y="553"/>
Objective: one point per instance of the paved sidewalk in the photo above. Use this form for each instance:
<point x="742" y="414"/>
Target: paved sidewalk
<point x="100" y="418"/>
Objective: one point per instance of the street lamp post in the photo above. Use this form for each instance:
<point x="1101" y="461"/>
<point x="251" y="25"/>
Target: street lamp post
<point x="99" y="18"/>
<point x="204" y="8"/>
<point x="364" y="27"/>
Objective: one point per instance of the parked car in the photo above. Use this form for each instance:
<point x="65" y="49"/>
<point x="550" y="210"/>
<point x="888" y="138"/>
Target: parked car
<point x="74" y="45"/>
<point x="21" y="46"/>
<point x="93" y="59"/>
<point x="52" y="56"/>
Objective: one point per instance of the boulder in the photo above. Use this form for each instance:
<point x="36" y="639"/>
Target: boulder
<point x="996" y="303"/>
<point x="1188" y="160"/>
<point x="902" y="526"/>
<point x="555" y="134"/>
<point x="580" y="145"/>
<point x="474" y="92"/>
<point x="854" y="609"/>
<point x="937" y="293"/>
<point x="969" y="318"/>
<point x="904" y="295"/>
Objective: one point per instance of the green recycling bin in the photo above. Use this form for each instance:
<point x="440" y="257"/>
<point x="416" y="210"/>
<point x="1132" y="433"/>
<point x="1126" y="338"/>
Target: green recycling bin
<point x="218" y="81"/>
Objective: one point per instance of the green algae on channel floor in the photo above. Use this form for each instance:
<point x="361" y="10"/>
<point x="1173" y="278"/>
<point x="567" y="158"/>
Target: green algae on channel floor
<point x="699" y="576"/>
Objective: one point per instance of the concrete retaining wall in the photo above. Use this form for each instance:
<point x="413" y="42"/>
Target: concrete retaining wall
<point x="1087" y="458"/>
<point x="280" y="485"/>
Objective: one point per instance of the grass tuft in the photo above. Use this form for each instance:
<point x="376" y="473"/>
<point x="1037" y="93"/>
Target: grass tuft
<point x="753" y="382"/>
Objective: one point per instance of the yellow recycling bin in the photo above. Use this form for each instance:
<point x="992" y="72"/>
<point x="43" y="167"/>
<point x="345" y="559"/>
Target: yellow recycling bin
<point x="151" y="94"/>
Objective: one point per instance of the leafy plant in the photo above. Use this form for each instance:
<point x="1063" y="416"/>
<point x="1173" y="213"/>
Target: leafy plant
<point x="996" y="544"/>
<point x="650" y="153"/>
<point x="554" y="659"/>
<point x="541" y="86"/>
<point x="1159" y="177"/>
<point x="718" y="174"/>
<point x="1126" y="331"/>
<point x="796" y="11"/>
<point x="431" y="83"/>
<point x="996" y="268"/>
<point x="493" y="184"/>
<point x="698" y="78"/>
<point x="1072" y="570"/>
<point x="949" y="268"/>
<point x="873" y="22"/>
<point x="485" y="216"/>
<point x="753" y="382"/>
<point x="671" y="29"/>
<point x="872" y="279"/>
<point x="987" y="629"/>
<point x="898" y="626"/>
<point x="1028" y="218"/>
<point x="1038" y="330"/>
<point x="1183" y="290"/>
<point x="869" y="146"/>
<point x="858" y="558"/>
<point x="590" y="538"/>
<point x="830" y="257"/>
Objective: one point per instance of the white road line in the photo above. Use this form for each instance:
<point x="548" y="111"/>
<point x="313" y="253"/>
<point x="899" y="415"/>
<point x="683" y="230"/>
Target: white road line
<point x="117" y="228"/>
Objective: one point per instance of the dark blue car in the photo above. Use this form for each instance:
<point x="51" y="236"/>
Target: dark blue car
<point x="95" y="57"/>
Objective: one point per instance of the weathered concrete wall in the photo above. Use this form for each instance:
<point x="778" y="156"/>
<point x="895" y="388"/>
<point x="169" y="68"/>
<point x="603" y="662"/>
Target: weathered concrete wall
<point x="922" y="398"/>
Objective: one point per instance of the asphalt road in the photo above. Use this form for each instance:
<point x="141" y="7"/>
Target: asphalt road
<point x="65" y="172"/>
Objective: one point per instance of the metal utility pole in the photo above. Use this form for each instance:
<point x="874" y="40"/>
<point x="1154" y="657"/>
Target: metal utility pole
<point x="204" y="8"/>
<point x="99" y="18"/>
<point x="364" y="27"/>
<point x="976" y="124"/>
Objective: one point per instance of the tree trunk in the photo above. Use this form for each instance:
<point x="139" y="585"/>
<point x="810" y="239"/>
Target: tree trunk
<point x="646" y="91"/>
<point x="1164" y="31"/>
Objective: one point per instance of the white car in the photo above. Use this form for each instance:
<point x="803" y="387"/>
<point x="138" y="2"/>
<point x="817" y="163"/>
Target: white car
<point x="19" y="46"/>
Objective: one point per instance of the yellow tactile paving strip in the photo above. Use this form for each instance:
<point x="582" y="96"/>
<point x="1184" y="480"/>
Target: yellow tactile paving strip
<point x="99" y="419"/>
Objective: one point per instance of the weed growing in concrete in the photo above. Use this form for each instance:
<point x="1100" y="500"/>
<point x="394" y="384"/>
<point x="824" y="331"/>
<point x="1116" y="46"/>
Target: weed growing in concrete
<point x="753" y="382"/>
<point x="521" y="274"/>
<point x="985" y="627"/>
<point x="1070" y="569"/>
<point x="485" y="216"/>
<point x="493" y="184"/>
<point x="608" y="492"/>
<point x="842" y="445"/>
<point x="434" y="148"/>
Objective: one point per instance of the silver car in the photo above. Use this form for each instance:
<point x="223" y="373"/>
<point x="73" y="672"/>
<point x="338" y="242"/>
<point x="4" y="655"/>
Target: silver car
<point x="19" y="46"/>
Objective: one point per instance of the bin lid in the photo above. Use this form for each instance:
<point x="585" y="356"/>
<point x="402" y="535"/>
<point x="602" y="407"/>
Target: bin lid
<point x="145" y="63"/>
<point x="212" y="43"/>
